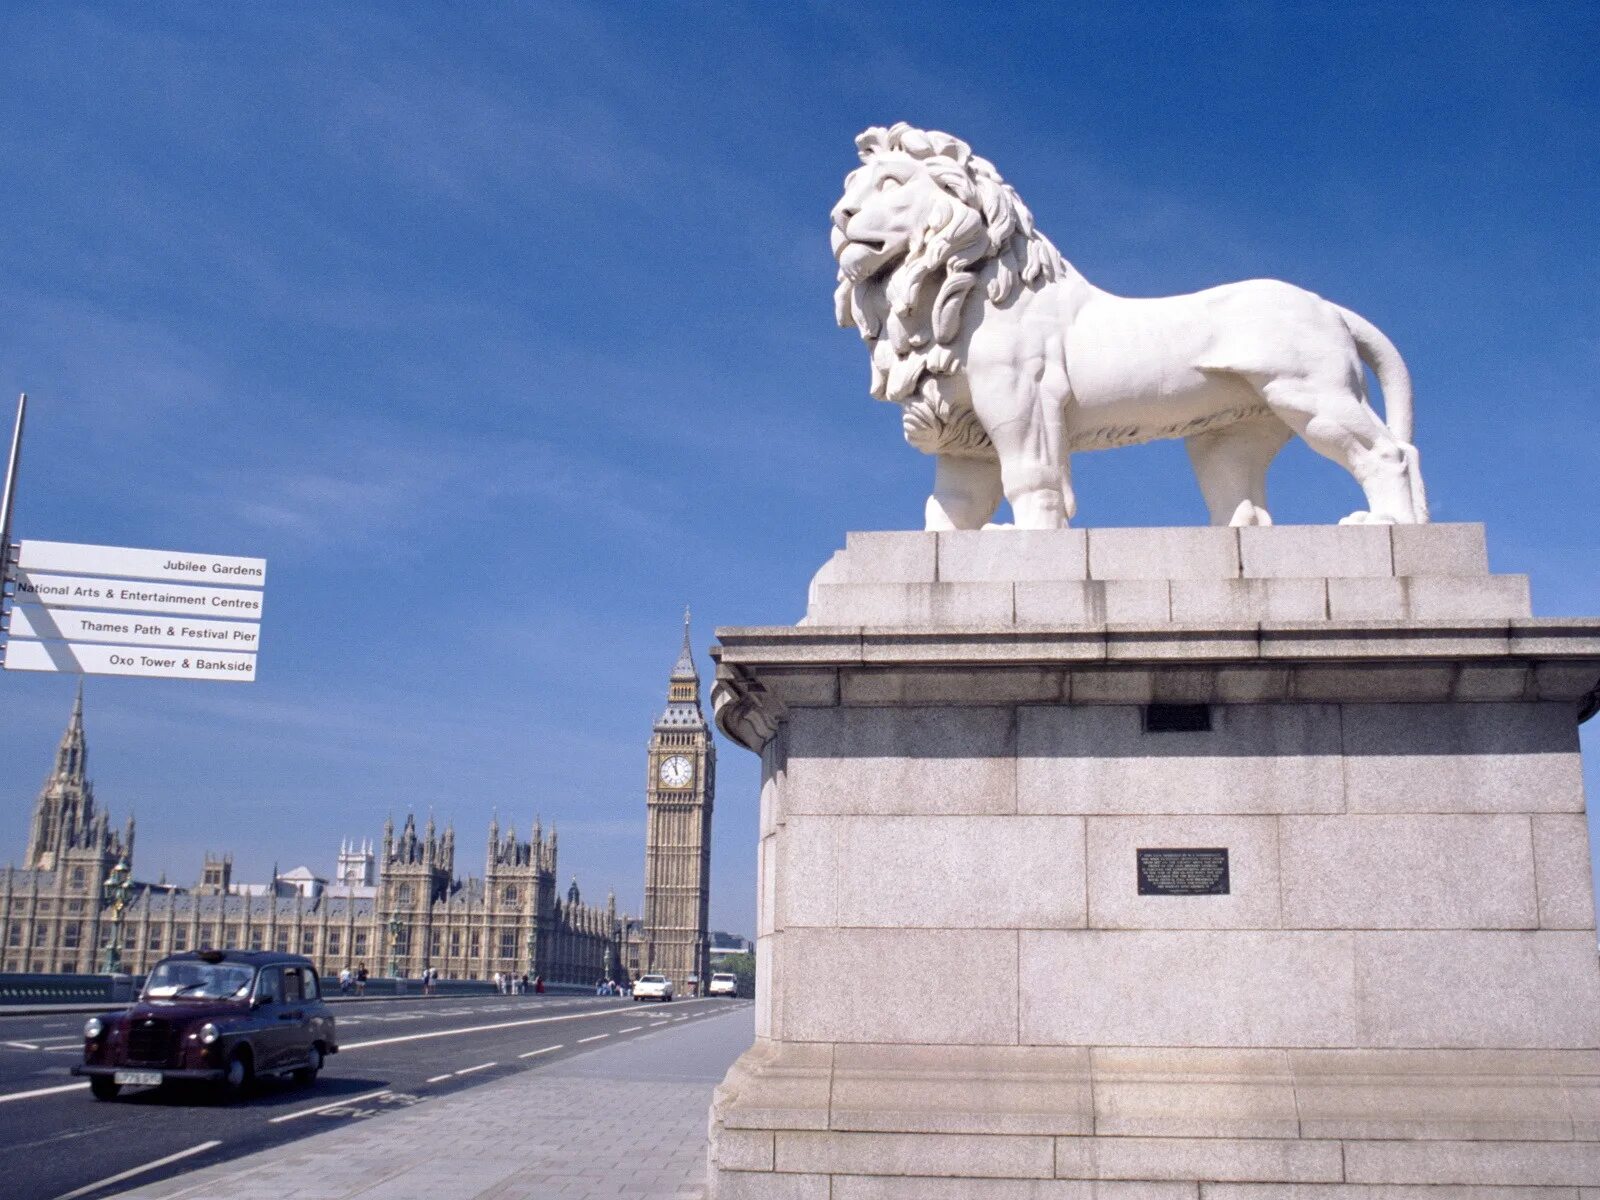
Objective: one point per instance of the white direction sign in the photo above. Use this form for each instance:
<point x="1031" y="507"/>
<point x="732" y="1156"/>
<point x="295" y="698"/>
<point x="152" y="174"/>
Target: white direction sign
<point x="127" y="595"/>
<point x="79" y="658"/>
<point x="71" y="558"/>
<point x="76" y="625"/>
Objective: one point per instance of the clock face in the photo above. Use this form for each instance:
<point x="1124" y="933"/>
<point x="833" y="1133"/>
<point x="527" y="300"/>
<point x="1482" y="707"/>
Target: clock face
<point x="677" y="771"/>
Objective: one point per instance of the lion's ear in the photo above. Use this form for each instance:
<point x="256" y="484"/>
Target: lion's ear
<point x="949" y="146"/>
<point x="914" y="142"/>
<point x="872" y="141"/>
<point x="955" y="181"/>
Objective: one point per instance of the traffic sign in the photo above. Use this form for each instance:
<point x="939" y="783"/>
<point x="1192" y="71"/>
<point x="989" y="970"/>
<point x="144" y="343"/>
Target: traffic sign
<point x="72" y="558"/>
<point x="77" y="625"/>
<point x="83" y="658"/>
<point x="131" y="595"/>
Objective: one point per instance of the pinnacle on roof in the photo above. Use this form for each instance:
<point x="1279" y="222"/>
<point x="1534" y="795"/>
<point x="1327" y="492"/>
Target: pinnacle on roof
<point x="684" y="668"/>
<point x="683" y="688"/>
<point x="72" y="755"/>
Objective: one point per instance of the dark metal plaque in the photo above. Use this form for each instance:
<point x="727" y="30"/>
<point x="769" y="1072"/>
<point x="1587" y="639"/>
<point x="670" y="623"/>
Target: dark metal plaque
<point x="1183" y="872"/>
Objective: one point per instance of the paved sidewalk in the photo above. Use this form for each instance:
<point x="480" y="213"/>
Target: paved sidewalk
<point x="627" y="1121"/>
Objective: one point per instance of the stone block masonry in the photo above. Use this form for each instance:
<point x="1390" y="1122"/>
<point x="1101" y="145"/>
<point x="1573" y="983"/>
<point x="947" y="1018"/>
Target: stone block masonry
<point x="965" y="991"/>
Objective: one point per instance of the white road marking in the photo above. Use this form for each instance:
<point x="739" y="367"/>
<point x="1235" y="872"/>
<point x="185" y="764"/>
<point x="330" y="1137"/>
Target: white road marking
<point x="139" y="1170"/>
<point x="595" y="1038"/>
<point x="479" y="1067"/>
<point x="438" y="1078"/>
<point x="49" y="1091"/>
<point x="21" y="1045"/>
<point x="306" y="1112"/>
<point x="438" y="1033"/>
<point x="546" y="1050"/>
<point x="631" y="1029"/>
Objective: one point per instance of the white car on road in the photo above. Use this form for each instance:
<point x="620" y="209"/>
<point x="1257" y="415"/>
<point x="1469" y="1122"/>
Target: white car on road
<point x="653" y="987"/>
<point x="723" y="984"/>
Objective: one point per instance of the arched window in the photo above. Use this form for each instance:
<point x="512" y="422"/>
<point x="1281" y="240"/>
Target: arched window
<point x="403" y="896"/>
<point x="511" y="893"/>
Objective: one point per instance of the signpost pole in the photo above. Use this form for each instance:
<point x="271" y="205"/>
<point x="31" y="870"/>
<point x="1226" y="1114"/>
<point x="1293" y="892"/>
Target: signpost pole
<point x="8" y="497"/>
<point x="7" y="500"/>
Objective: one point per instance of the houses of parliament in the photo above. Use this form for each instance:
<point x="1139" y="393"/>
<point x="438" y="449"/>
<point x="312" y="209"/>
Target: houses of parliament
<point x="397" y="907"/>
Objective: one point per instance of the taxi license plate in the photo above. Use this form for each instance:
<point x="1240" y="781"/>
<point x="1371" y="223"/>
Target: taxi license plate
<point x="137" y="1078"/>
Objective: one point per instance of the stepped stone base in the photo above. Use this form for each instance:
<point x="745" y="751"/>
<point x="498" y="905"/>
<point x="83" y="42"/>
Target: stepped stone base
<point x="966" y="987"/>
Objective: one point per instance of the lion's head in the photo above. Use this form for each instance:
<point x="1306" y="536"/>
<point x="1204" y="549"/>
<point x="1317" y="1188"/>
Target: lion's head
<point x="917" y="224"/>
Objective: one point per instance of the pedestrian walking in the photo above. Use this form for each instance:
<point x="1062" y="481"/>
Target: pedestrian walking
<point x="361" y="979"/>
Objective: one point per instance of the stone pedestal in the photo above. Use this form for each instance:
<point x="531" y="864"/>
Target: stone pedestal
<point x="963" y="989"/>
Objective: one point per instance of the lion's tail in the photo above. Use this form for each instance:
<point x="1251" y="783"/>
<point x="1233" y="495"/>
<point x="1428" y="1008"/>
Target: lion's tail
<point x="1379" y="353"/>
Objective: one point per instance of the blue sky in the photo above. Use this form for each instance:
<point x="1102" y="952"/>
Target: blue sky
<point x="504" y="331"/>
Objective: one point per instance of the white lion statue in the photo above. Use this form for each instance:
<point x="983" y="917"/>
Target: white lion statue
<point x="1005" y="359"/>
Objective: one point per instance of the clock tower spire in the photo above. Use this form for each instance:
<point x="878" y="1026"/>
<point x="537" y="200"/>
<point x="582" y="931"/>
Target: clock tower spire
<point x="679" y="791"/>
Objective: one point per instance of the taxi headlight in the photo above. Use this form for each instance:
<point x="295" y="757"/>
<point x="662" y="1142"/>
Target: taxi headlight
<point x="93" y="1027"/>
<point x="209" y="1033"/>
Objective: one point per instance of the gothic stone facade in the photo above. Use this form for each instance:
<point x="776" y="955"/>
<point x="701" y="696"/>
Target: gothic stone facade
<point x="417" y="915"/>
<point x="679" y="792"/>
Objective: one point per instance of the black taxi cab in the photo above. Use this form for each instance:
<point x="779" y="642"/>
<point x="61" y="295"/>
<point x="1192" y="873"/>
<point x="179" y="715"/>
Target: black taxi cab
<point x="221" y="1017"/>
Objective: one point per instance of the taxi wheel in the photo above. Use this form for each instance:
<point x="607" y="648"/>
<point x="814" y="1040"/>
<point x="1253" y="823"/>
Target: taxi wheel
<point x="307" y="1075"/>
<point x="103" y="1087"/>
<point x="236" y="1076"/>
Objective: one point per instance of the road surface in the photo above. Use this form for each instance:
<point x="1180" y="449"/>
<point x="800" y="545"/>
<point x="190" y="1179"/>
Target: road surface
<point x="56" y="1142"/>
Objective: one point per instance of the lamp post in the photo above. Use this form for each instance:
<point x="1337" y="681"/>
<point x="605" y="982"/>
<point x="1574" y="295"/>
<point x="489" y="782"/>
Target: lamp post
<point x="116" y="890"/>
<point x="395" y="926"/>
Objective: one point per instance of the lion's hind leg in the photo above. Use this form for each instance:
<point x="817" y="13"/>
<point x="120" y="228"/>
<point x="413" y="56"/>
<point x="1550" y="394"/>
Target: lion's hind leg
<point x="1338" y="423"/>
<point x="1231" y="464"/>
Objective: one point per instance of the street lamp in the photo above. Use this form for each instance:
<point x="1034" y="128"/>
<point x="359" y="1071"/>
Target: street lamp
<point x="116" y="890"/>
<point x="395" y="926"/>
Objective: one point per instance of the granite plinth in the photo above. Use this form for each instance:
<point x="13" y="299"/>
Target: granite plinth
<point x="964" y="991"/>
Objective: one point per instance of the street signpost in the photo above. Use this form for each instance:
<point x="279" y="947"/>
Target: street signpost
<point x="89" y="624"/>
<point x="120" y="610"/>
<point x="89" y="658"/>
<point x="76" y="625"/>
<point x="69" y="558"/>
<point x="134" y="595"/>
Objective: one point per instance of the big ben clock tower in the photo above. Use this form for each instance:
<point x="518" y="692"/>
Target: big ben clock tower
<point x="677" y="857"/>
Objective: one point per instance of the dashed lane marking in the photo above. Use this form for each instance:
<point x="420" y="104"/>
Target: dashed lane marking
<point x="139" y="1170"/>
<point x="438" y="1078"/>
<point x="631" y="1029"/>
<point x="49" y="1091"/>
<point x="595" y="1038"/>
<point x="479" y="1067"/>
<point x="543" y="1050"/>
<point x="306" y="1112"/>
<point x="20" y="1045"/>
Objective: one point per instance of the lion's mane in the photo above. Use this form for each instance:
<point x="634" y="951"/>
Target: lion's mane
<point x="910" y="315"/>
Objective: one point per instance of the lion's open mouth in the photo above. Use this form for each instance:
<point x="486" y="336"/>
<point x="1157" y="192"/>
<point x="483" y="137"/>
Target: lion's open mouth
<point x="859" y="258"/>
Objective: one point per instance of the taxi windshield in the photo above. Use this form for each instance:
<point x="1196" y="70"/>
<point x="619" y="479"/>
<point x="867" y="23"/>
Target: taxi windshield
<point x="193" y="979"/>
